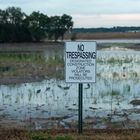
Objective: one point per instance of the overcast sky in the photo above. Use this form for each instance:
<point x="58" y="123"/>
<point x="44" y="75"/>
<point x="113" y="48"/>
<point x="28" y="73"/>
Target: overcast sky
<point x="85" y="13"/>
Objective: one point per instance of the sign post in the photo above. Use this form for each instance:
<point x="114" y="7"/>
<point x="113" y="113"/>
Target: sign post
<point x="80" y="109"/>
<point x="80" y="67"/>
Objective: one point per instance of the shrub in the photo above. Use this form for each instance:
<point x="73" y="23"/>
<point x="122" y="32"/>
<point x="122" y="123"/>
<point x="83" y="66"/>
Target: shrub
<point x="64" y="138"/>
<point x="37" y="136"/>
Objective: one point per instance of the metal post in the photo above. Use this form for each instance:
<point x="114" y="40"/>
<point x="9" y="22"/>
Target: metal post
<point x="80" y="109"/>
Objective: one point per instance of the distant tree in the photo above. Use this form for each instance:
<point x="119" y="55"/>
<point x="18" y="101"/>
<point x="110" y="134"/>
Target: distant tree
<point x="54" y="27"/>
<point x="3" y="19"/>
<point x="60" y="25"/>
<point x="38" y="25"/>
<point x="11" y="25"/>
<point x="15" y="15"/>
<point x="3" y="16"/>
<point x="66" y="24"/>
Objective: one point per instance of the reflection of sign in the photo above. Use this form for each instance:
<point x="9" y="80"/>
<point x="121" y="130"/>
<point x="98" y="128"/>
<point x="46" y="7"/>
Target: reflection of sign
<point x="80" y="62"/>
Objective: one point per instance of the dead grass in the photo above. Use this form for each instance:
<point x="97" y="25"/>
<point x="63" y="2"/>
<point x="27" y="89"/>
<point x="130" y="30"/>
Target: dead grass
<point x="103" y="134"/>
<point x="110" y="35"/>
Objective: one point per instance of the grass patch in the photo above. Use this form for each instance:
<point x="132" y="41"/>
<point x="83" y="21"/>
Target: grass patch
<point x="56" y="66"/>
<point x="31" y="65"/>
<point x="22" y="57"/>
<point x="44" y="136"/>
<point x="100" y="134"/>
<point x="56" y="60"/>
<point x="37" y="136"/>
<point x="115" y="93"/>
<point x="113" y="61"/>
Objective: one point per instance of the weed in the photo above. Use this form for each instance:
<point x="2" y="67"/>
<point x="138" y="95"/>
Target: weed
<point x="43" y="136"/>
<point x="115" y="93"/>
<point x="135" y="74"/>
<point x="37" y="136"/>
<point x="113" y="60"/>
<point x="115" y="74"/>
<point x="100" y="61"/>
<point x="55" y="61"/>
<point x="112" y="93"/>
<point x="64" y="138"/>
<point x="22" y="57"/>
<point x="128" y="88"/>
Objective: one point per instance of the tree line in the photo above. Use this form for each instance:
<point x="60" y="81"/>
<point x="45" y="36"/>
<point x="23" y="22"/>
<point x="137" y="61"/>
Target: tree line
<point x="16" y="26"/>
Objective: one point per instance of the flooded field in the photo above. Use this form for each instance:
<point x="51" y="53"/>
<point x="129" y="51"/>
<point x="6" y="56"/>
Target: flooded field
<point x="112" y="102"/>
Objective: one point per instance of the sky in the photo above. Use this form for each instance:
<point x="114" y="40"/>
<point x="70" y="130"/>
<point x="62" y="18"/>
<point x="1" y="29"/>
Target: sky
<point x="85" y="13"/>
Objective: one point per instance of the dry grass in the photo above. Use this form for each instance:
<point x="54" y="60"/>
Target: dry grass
<point x="110" y="35"/>
<point x="104" y="134"/>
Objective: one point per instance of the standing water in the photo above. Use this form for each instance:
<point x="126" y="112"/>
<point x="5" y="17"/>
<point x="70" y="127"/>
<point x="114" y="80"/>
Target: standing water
<point x="113" y="101"/>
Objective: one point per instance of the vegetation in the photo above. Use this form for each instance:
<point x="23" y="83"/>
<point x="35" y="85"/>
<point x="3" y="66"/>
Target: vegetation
<point x="113" y="60"/>
<point x="21" y="57"/>
<point x="16" y="26"/>
<point x="31" y="65"/>
<point x="108" y="134"/>
<point x="104" y="35"/>
<point x="44" y="136"/>
<point x="37" y="136"/>
<point x="22" y="65"/>
<point x="57" y="60"/>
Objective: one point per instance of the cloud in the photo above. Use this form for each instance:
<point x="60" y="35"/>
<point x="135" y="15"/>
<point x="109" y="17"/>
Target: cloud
<point x="85" y="12"/>
<point x="106" y="20"/>
<point x="76" y="6"/>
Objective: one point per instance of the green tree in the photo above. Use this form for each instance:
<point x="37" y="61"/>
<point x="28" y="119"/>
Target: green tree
<point x="66" y="24"/>
<point x="11" y="25"/>
<point x="60" y="25"/>
<point x="16" y="26"/>
<point x="15" y="15"/>
<point x="38" y="25"/>
<point x="54" y="27"/>
<point x="3" y="17"/>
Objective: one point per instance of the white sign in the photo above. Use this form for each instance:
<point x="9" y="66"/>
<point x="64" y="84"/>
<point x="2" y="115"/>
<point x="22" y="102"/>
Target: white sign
<point x="80" y="62"/>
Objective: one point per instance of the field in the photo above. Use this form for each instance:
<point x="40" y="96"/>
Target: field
<point x="113" y="35"/>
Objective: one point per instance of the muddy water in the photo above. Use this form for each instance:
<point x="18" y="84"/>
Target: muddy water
<point x="113" y="101"/>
